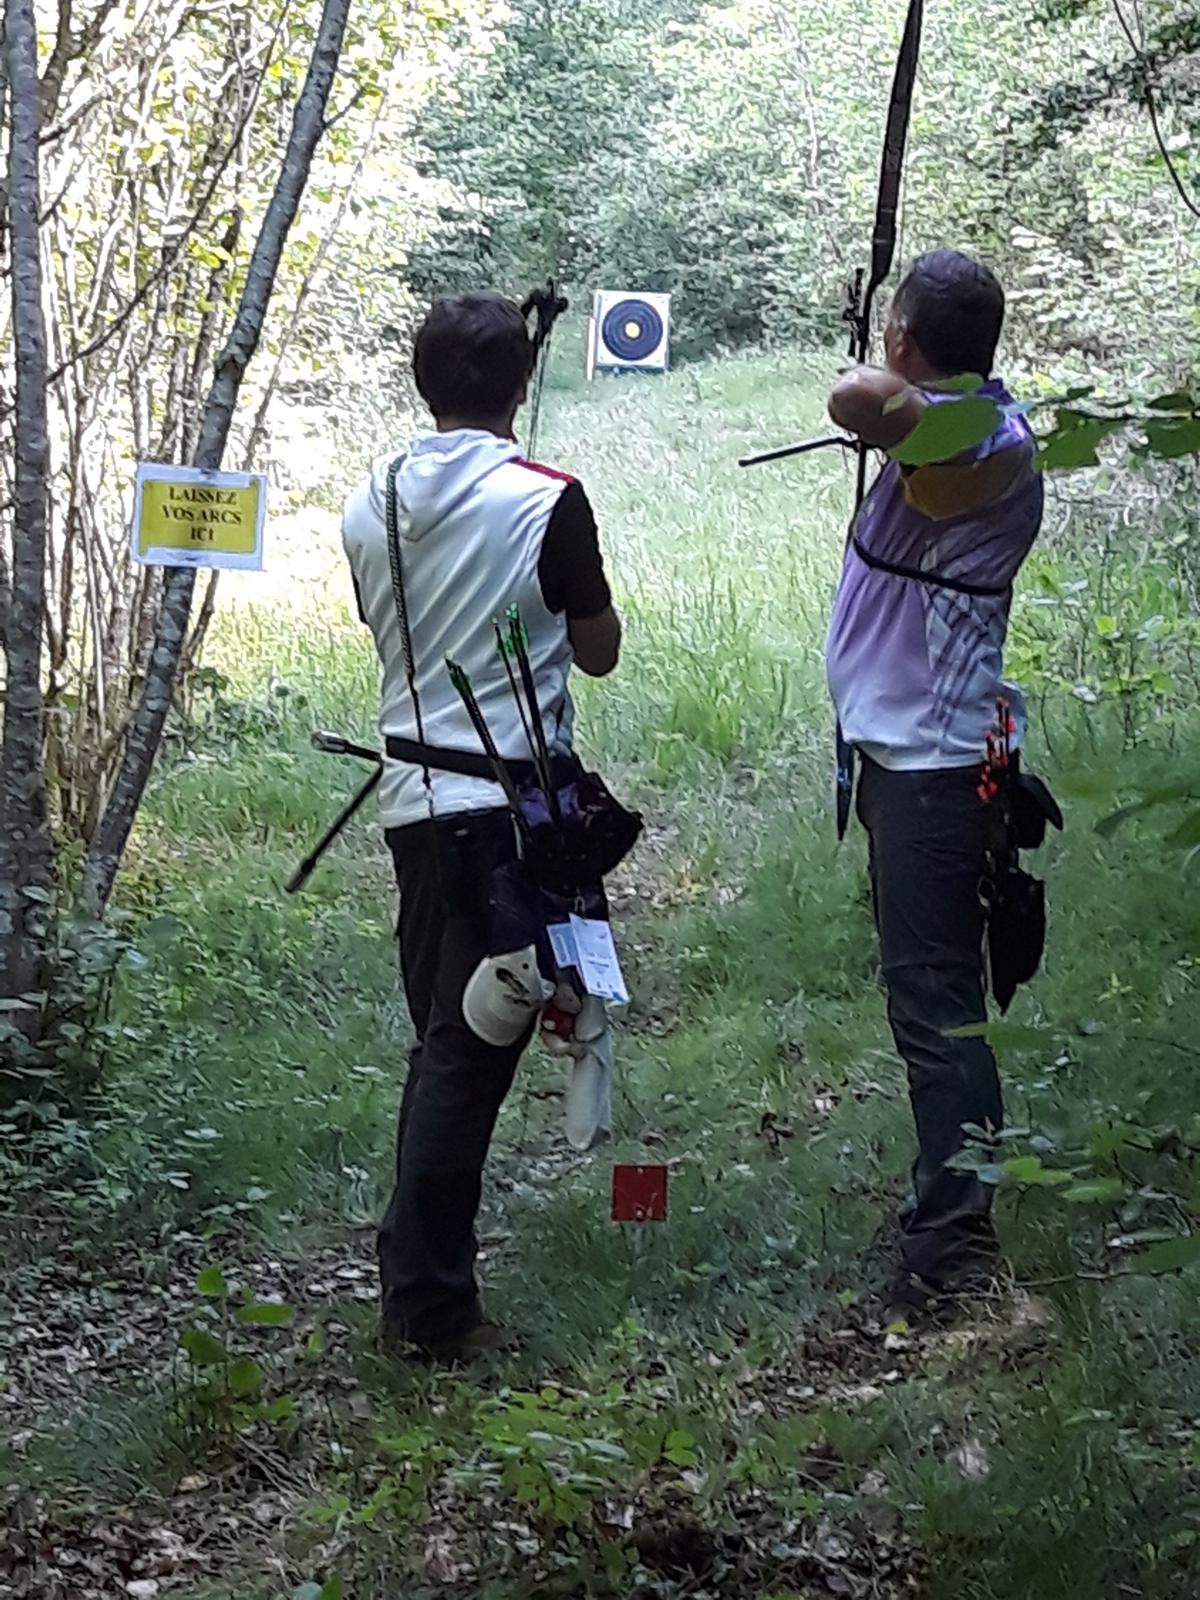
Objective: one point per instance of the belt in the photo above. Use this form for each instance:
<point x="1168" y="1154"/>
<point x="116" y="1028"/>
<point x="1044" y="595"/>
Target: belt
<point x="474" y="764"/>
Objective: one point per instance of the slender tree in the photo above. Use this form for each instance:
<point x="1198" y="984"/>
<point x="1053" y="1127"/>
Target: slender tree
<point x="26" y="852"/>
<point x="145" y="732"/>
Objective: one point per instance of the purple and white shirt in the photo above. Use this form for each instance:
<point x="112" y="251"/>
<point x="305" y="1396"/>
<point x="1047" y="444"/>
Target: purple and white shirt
<point x="915" y="669"/>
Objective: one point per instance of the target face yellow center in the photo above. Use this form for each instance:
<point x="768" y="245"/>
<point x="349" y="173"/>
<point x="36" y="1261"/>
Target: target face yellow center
<point x="632" y="330"/>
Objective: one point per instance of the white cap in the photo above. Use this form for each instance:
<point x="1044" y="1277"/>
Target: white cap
<point x="503" y="996"/>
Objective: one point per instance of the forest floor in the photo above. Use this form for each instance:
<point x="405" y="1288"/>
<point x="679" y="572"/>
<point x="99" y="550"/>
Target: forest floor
<point x="192" y="1401"/>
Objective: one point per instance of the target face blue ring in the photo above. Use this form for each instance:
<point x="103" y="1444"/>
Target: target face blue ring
<point x="632" y="330"/>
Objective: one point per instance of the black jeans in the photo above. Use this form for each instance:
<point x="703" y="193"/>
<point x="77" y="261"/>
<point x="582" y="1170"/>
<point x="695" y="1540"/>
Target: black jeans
<point x="456" y="1083"/>
<point x="927" y="834"/>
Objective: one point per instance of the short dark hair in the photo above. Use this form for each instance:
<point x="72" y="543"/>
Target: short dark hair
<point x="471" y="355"/>
<point x="954" y="308"/>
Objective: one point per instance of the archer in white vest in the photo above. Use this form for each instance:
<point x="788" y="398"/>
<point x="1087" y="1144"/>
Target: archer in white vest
<point x="480" y="529"/>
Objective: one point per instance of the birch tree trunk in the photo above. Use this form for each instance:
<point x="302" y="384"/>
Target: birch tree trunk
<point x="26" y="850"/>
<point x="145" y="733"/>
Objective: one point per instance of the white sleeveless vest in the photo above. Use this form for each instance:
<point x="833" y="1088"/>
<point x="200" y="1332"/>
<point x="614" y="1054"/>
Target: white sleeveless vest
<point x="472" y="517"/>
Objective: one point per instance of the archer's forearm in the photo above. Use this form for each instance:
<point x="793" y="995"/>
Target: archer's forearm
<point x="877" y="406"/>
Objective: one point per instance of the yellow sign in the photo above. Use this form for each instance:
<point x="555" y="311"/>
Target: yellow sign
<point x="186" y="517"/>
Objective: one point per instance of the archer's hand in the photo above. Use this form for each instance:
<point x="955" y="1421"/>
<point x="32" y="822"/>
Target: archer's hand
<point x="877" y="406"/>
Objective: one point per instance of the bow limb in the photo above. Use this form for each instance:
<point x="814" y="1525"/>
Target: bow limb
<point x="887" y="205"/>
<point x="548" y="305"/>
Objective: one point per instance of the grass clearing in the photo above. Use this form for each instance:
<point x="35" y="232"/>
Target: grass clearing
<point x="699" y="1409"/>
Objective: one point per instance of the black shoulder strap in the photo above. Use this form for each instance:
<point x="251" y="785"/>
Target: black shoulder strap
<point x="401" y="599"/>
<point x="932" y="580"/>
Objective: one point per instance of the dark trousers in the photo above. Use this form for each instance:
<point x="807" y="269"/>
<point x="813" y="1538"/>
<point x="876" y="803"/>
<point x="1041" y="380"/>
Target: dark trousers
<point x="456" y="1083"/>
<point x="927" y="833"/>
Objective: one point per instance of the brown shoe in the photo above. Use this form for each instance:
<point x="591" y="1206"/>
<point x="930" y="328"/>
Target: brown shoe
<point x="478" y="1343"/>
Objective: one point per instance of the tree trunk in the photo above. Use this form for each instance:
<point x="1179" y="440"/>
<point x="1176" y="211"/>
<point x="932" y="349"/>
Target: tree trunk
<point x="26" y="850"/>
<point x="145" y="734"/>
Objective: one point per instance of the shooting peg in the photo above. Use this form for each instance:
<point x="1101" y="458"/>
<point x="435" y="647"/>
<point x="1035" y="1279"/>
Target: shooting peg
<point x="639" y="1194"/>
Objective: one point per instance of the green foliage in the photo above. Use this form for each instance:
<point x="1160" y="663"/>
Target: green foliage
<point x="331" y="1589"/>
<point x="229" y="1389"/>
<point x="947" y="429"/>
<point x="728" y="153"/>
<point x="536" y="1450"/>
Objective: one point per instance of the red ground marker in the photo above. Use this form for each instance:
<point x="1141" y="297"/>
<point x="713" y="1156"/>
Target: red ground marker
<point x="639" y="1194"/>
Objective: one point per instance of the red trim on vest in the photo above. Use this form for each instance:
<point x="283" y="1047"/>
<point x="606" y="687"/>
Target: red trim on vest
<point x="547" y="472"/>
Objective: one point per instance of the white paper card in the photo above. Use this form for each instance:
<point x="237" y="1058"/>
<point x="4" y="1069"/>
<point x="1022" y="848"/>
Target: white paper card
<point x="596" y="958"/>
<point x="562" y="942"/>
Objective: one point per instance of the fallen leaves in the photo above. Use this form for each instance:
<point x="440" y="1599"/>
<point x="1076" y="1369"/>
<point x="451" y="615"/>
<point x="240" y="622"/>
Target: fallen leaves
<point x="972" y="1461"/>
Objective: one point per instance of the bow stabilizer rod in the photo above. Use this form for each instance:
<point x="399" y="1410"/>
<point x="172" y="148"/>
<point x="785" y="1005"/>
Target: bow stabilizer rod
<point x="333" y="744"/>
<point x="781" y="452"/>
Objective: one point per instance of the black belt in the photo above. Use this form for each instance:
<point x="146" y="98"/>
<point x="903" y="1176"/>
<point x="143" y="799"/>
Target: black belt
<point x="933" y="580"/>
<point x="474" y="764"/>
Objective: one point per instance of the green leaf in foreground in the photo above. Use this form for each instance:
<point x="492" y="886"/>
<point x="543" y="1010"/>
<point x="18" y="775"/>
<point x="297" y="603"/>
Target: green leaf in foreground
<point x="265" y="1314"/>
<point x="1187" y="835"/>
<point x="203" y="1350"/>
<point x="1079" y="783"/>
<point x="1004" y="1035"/>
<point x="1029" y="1170"/>
<point x="1095" y="1191"/>
<point x="962" y="383"/>
<point x="679" y="1448"/>
<point x="1185" y="789"/>
<point x="245" y="1377"/>
<point x="947" y="429"/>
<point x="1074" y="441"/>
<point x="1171" y="440"/>
<point x="1169" y="1256"/>
<point x="211" y="1283"/>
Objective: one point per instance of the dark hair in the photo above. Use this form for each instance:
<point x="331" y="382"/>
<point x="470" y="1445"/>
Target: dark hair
<point x="471" y="356"/>
<point x="954" y="308"/>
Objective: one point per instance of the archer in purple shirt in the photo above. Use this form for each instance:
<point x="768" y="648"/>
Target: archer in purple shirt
<point x="914" y="663"/>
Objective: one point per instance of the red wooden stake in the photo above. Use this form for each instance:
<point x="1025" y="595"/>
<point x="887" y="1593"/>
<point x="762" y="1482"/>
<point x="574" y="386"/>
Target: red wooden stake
<point x="639" y="1194"/>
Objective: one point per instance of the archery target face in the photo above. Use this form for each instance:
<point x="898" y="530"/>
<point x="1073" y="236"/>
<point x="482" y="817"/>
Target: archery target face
<point x="631" y="330"/>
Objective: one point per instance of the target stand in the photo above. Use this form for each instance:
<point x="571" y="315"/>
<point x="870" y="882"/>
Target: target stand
<point x="629" y="333"/>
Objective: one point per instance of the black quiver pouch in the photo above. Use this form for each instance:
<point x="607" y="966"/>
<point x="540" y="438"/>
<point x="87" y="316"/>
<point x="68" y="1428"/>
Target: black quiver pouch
<point x="592" y="834"/>
<point x="1015" y="901"/>
<point x="1016" y="931"/>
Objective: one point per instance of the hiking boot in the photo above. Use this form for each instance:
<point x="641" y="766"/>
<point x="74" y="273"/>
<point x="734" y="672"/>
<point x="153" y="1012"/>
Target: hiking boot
<point x="881" y="1254"/>
<point x="920" y="1302"/>
<point x="476" y="1344"/>
<point x="914" y="1300"/>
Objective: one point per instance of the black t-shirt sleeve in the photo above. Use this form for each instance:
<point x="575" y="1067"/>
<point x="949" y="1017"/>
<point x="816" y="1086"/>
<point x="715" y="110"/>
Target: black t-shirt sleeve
<point x="571" y="568"/>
